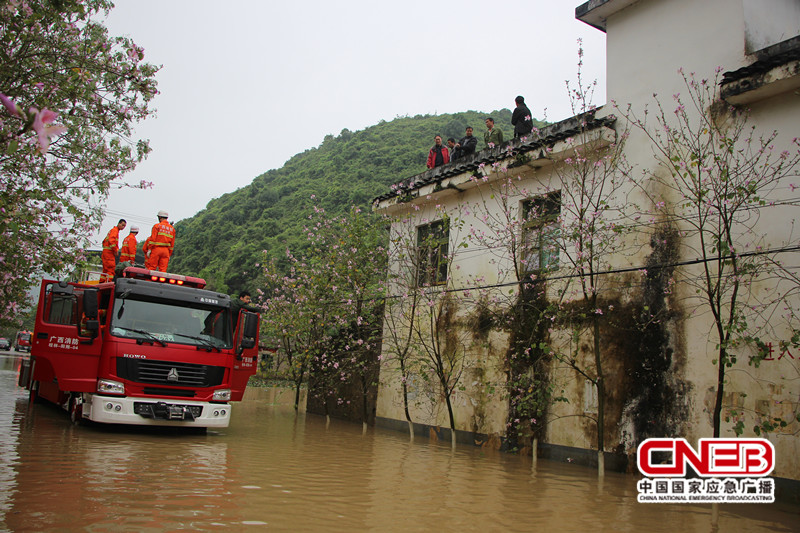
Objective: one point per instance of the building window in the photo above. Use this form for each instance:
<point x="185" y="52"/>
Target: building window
<point x="589" y="397"/>
<point x="432" y="249"/>
<point x="540" y="232"/>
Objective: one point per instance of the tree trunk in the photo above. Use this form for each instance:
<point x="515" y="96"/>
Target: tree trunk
<point x="297" y="387"/>
<point x="364" y="397"/>
<point x="405" y="399"/>
<point x="601" y="396"/>
<point x="452" y="418"/>
<point x="601" y="463"/>
<point x="720" y="392"/>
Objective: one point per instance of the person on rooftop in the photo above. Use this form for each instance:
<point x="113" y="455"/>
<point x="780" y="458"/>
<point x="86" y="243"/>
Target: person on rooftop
<point x="439" y="154"/>
<point x="521" y="118"/>
<point x="451" y="147"/>
<point x="493" y="136"/>
<point x="466" y="145"/>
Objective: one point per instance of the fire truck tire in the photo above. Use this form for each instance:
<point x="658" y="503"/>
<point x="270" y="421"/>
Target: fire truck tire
<point x="75" y="411"/>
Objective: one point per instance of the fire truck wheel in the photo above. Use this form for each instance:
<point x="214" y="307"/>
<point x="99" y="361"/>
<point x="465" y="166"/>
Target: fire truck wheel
<point x="76" y="410"/>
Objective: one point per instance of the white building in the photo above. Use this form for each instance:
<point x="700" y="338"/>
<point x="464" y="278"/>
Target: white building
<point x="467" y="234"/>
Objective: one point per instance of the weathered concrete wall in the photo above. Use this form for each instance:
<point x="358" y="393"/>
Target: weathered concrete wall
<point x="637" y="355"/>
<point x="646" y="45"/>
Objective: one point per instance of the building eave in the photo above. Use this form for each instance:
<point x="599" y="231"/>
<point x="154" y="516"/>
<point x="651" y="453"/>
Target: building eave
<point x="534" y="151"/>
<point x="596" y="12"/>
<point x="776" y="70"/>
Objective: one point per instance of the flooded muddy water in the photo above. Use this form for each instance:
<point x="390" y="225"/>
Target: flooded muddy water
<point x="275" y="470"/>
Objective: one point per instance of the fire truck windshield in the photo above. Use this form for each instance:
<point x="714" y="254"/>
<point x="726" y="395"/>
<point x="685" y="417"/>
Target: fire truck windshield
<point x="162" y="322"/>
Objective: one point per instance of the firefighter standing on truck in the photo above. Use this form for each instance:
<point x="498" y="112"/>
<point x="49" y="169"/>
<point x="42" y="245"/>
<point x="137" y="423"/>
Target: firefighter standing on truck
<point x="128" y="250"/>
<point x="160" y="244"/>
<point x="110" y="248"/>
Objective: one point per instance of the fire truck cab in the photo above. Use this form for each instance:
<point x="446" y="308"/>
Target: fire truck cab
<point x="148" y="348"/>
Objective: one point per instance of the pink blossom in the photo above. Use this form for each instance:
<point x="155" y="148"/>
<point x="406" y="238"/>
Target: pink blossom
<point x="9" y="104"/>
<point x="40" y="121"/>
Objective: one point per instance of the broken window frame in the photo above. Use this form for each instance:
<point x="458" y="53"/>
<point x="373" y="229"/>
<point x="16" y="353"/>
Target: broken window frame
<point x="433" y="246"/>
<point x="540" y="233"/>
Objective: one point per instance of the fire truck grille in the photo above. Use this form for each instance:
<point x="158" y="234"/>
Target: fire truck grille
<point x="169" y="373"/>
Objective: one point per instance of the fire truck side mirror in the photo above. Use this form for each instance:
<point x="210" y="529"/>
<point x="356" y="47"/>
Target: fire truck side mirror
<point x="90" y="312"/>
<point x="250" y="326"/>
<point x="249" y="331"/>
<point x="90" y="304"/>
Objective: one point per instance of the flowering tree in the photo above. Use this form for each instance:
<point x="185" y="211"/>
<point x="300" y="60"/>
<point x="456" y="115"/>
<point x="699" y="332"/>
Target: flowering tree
<point x="401" y="309"/>
<point x="426" y="337"/>
<point x="715" y="174"/>
<point x="589" y="184"/>
<point x="291" y="320"/>
<point x="578" y="214"/>
<point x="70" y="94"/>
<point x="519" y="305"/>
<point x="326" y="313"/>
<point x="350" y="253"/>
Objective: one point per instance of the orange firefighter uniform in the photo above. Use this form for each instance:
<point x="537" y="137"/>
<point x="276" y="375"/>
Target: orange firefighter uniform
<point x="110" y="248"/>
<point x="160" y="244"/>
<point x="146" y="250"/>
<point x="128" y="250"/>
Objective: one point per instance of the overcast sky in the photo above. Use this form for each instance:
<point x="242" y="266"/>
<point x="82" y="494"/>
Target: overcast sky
<point x="245" y="85"/>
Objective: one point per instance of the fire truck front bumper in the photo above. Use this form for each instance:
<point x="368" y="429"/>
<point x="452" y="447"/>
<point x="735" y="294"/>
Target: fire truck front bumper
<point x="156" y="412"/>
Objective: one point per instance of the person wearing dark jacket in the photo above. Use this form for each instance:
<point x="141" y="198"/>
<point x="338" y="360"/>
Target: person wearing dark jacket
<point x="521" y="118"/>
<point x="466" y="146"/>
<point x="242" y="303"/>
<point x="439" y="155"/>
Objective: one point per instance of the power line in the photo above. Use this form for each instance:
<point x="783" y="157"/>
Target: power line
<point x="795" y="248"/>
<point x="675" y="264"/>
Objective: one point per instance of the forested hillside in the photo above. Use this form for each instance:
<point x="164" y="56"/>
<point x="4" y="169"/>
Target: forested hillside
<point x="223" y="243"/>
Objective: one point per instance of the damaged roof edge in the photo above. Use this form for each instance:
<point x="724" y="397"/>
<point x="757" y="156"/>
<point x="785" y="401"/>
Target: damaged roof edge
<point x="776" y="70"/>
<point x="595" y="12"/>
<point x="545" y="137"/>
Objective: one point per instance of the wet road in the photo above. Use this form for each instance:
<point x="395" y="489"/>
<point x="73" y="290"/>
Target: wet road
<point x="272" y="470"/>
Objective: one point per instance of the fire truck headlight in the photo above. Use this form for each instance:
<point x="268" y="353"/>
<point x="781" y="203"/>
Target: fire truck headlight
<point x="106" y="386"/>
<point x="222" y="395"/>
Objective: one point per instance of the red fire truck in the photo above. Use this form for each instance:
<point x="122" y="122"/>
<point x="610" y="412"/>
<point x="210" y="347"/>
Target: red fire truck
<point x="22" y="342"/>
<point x="147" y="348"/>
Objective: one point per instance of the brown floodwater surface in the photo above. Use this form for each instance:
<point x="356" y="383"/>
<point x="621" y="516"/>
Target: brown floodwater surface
<point x="275" y="470"/>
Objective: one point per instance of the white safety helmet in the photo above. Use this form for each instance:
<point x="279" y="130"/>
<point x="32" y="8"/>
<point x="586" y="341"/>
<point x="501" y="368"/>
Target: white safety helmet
<point x="163" y="213"/>
<point x="134" y="229"/>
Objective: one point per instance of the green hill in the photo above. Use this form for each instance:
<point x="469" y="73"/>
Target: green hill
<point x="224" y="242"/>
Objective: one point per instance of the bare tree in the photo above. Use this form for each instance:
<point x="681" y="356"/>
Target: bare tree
<point x="715" y="173"/>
